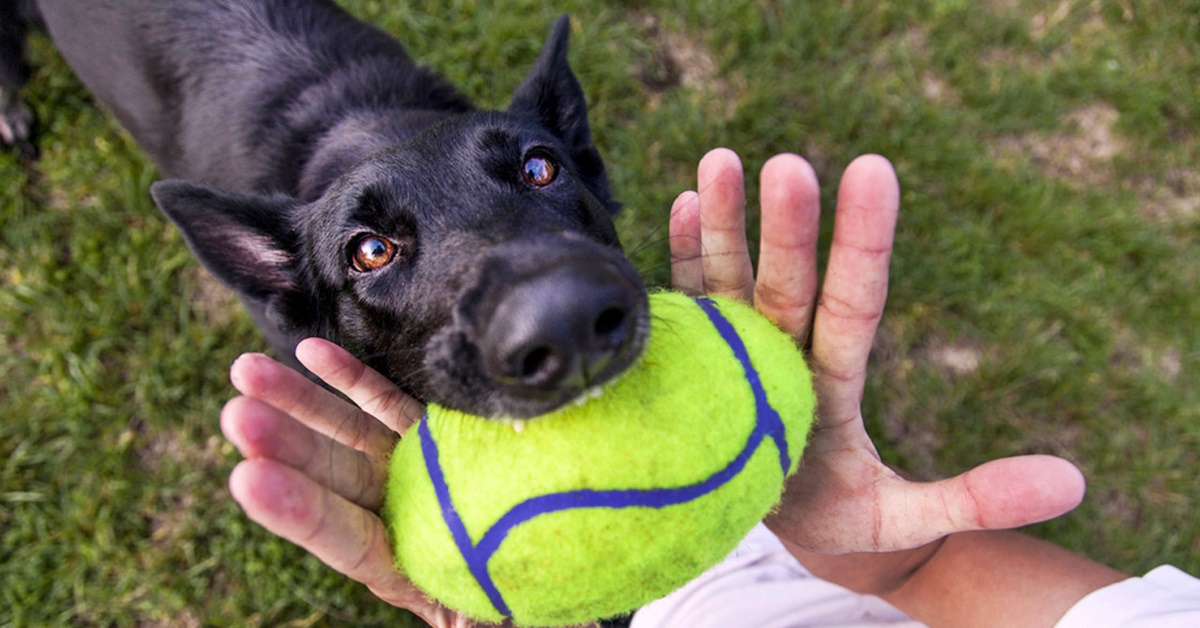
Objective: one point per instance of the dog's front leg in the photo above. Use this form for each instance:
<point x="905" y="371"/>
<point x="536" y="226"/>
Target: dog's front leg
<point x="16" y="119"/>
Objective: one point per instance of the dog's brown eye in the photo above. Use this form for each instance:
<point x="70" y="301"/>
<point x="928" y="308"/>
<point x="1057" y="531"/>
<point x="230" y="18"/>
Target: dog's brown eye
<point x="539" y="171"/>
<point x="372" y="252"/>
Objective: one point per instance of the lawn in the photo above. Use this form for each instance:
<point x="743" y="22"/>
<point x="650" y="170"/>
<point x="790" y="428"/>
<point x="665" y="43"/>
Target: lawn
<point x="1045" y="292"/>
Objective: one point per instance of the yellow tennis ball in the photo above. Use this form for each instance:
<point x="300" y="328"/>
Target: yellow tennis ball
<point x="597" y="509"/>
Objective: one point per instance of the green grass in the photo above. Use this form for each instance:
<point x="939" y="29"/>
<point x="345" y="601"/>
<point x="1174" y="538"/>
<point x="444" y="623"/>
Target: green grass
<point x="1045" y="288"/>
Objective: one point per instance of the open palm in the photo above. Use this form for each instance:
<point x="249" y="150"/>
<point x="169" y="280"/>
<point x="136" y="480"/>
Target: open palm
<point x="843" y="499"/>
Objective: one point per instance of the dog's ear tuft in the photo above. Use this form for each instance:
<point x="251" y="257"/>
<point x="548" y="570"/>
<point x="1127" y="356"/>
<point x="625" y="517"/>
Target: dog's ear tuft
<point x="247" y="242"/>
<point x="552" y="93"/>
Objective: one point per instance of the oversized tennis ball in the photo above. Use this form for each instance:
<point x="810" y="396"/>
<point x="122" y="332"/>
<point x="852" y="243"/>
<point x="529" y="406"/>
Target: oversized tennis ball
<point x="597" y="509"/>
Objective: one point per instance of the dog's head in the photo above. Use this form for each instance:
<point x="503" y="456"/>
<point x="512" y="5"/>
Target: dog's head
<point x="475" y="264"/>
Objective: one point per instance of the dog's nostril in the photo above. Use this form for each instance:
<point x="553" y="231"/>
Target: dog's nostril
<point x="610" y="322"/>
<point x="536" y="361"/>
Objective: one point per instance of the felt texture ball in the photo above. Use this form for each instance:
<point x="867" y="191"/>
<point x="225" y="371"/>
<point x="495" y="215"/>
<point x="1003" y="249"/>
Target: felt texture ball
<point x="598" y="508"/>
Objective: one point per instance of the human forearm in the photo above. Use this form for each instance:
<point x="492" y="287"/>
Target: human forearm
<point x="998" y="578"/>
<point x="989" y="578"/>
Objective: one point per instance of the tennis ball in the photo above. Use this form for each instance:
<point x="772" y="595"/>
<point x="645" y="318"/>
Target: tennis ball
<point x="596" y="509"/>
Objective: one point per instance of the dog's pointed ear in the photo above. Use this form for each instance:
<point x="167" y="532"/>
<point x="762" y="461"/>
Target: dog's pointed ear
<point x="246" y="242"/>
<point x="552" y="95"/>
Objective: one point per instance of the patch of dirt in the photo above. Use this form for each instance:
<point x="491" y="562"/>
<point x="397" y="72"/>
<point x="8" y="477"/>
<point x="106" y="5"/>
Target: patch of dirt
<point x="681" y="60"/>
<point x="1174" y="197"/>
<point x="1080" y="156"/>
<point x="955" y="359"/>
<point x="1095" y="125"/>
<point x="937" y="90"/>
<point x="1083" y="156"/>
<point x="915" y="41"/>
<point x="1131" y="353"/>
<point x="1043" y="22"/>
<point x="1169" y="364"/>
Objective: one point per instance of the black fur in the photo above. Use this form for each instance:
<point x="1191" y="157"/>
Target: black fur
<point x="298" y="132"/>
<point x="16" y="119"/>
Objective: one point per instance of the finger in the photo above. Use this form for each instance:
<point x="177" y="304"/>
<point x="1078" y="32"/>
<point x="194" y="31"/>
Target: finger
<point x="687" y="266"/>
<point x="374" y="393"/>
<point x="1001" y="494"/>
<point x="256" y="375"/>
<point x="786" y="288"/>
<point x="260" y="430"/>
<point x="855" y="289"/>
<point x="344" y="536"/>
<point x="726" y="255"/>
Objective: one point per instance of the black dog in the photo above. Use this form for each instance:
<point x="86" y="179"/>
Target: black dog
<point x="344" y="192"/>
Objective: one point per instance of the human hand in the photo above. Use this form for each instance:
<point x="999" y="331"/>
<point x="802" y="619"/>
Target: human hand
<point x="316" y="465"/>
<point x="843" y="499"/>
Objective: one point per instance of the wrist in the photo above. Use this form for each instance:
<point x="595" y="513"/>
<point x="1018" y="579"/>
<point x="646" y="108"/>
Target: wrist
<point x="870" y="573"/>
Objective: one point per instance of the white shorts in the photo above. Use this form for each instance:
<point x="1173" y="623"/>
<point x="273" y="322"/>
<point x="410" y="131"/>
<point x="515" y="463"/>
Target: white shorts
<point x="760" y="585"/>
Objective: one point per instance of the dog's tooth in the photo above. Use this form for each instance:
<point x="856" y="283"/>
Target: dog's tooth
<point x="518" y="425"/>
<point x="587" y="395"/>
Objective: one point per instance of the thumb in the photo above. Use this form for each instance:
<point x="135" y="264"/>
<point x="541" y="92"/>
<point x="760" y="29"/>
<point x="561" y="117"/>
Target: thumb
<point x="1001" y="494"/>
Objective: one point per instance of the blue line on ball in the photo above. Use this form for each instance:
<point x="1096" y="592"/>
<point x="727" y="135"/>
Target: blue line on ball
<point x="459" y="531"/>
<point x="768" y="419"/>
<point x="767" y="424"/>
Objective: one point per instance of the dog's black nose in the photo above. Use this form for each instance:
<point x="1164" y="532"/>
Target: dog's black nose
<point x="561" y="330"/>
